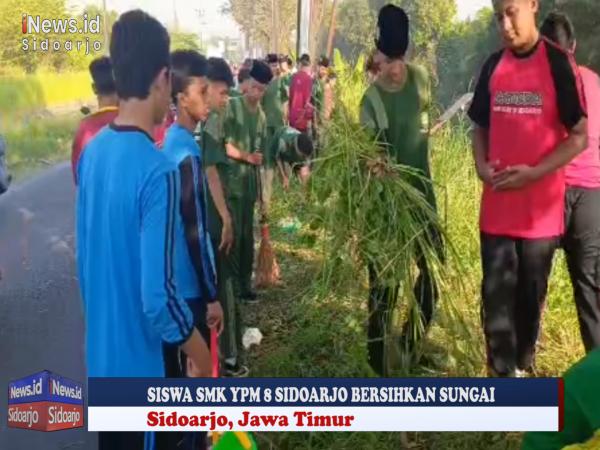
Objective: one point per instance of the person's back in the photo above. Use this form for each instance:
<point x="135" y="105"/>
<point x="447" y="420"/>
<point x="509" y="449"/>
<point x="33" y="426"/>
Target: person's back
<point x="88" y="128"/>
<point x="118" y="294"/>
<point x="300" y="107"/>
<point x="584" y="170"/>
<point x="103" y="84"/>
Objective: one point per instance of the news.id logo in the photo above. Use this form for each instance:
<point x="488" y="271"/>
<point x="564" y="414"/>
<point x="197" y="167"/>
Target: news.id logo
<point x="45" y="401"/>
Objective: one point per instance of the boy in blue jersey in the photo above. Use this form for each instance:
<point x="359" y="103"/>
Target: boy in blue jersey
<point x="195" y="266"/>
<point x="126" y="222"/>
<point x="195" y="275"/>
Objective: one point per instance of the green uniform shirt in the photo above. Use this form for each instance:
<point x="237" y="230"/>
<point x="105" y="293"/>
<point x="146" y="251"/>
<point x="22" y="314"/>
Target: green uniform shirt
<point x="234" y="92"/>
<point x="212" y="142"/>
<point x="582" y="408"/>
<point x="273" y="101"/>
<point x="401" y="121"/>
<point x="286" y="80"/>
<point x="284" y="146"/>
<point x="247" y="131"/>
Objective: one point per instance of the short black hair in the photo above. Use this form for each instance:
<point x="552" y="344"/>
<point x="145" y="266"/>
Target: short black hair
<point x="139" y="50"/>
<point x="283" y="58"/>
<point x="186" y="64"/>
<point x="324" y="61"/>
<point x="243" y="75"/>
<point x="558" y="28"/>
<point x="261" y="72"/>
<point x="219" y="71"/>
<point x="102" y="76"/>
<point x="305" y="60"/>
<point x="305" y="144"/>
<point x="272" y="58"/>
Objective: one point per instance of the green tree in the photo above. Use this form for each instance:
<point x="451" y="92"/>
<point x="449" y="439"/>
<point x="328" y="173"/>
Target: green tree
<point x="11" y="37"/>
<point x="585" y="16"/>
<point x="269" y="23"/>
<point x="185" y="41"/>
<point x="356" y="26"/>
<point x="431" y="23"/>
<point x="461" y="54"/>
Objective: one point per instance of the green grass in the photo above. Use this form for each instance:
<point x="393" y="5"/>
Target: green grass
<point x="307" y="336"/>
<point x="22" y="94"/>
<point x="36" y="144"/>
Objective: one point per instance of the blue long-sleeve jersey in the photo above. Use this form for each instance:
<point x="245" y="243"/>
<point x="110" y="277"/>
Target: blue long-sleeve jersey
<point x="195" y="266"/>
<point x="126" y="222"/>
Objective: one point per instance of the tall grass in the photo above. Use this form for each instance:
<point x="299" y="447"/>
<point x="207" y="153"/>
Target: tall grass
<point x="22" y="94"/>
<point x="39" y="142"/>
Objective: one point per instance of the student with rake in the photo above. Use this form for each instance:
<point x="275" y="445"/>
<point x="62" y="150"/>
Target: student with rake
<point x="221" y="202"/>
<point x="245" y="139"/>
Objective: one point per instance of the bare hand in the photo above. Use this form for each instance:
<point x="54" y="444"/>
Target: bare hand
<point x="194" y="371"/>
<point x="286" y="184"/>
<point x="514" y="177"/>
<point x="226" y="237"/>
<point x="488" y="171"/>
<point x="304" y="174"/>
<point x="214" y="316"/>
<point x="256" y="159"/>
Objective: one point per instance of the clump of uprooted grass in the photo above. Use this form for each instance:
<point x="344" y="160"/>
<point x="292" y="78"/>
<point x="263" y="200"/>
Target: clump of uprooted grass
<point x="372" y="214"/>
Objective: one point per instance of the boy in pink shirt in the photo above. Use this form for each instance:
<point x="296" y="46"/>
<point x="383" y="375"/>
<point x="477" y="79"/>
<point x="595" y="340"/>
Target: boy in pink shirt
<point x="530" y="122"/>
<point x="300" y="106"/>
<point x="582" y="228"/>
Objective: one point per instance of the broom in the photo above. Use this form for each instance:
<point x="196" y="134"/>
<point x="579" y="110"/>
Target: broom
<point x="267" y="269"/>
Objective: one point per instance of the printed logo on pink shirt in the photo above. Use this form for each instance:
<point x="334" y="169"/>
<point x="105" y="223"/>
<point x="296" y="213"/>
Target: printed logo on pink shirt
<point x="518" y="103"/>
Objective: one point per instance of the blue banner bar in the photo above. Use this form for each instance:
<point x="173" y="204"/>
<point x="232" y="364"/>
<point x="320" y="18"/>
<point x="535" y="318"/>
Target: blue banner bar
<point x="529" y="392"/>
<point x="45" y="386"/>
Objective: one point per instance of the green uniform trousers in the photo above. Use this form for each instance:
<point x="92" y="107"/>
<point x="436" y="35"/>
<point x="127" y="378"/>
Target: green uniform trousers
<point x="242" y="211"/>
<point x="230" y="341"/>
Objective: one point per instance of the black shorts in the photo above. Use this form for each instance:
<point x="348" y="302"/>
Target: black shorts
<point x="174" y="358"/>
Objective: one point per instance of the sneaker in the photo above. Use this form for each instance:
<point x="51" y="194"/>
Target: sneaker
<point x="235" y="371"/>
<point x="250" y="298"/>
<point x="525" y="373"/>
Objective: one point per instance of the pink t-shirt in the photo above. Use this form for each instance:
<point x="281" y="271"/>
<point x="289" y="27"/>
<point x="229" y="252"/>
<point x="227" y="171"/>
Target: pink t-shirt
<point x="584" y="171"/>
<point x="301" y="110"/>
<point x="525" y="127"/>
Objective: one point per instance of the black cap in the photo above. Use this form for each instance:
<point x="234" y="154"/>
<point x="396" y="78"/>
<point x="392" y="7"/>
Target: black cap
<point x="324" y="61"/>
<point x="261" y="72"/>
<point x="393" y="26"/>
<point x="272" y="58"/>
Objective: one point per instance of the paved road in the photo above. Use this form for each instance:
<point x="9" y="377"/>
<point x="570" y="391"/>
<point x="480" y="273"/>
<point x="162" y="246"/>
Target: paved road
<point x="41" y="323"/>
